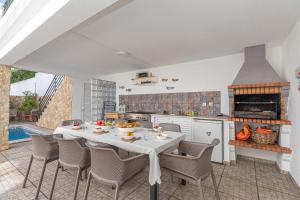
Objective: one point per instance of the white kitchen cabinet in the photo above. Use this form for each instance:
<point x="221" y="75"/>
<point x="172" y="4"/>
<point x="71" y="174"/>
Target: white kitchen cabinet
<point x="184" y="122"/>
<point x="185" y="126"/>
<point x="205" y="131"/>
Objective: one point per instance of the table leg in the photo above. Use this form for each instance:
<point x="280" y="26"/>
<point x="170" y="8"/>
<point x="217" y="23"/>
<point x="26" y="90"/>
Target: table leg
<point x="183" y="182"/>
<point x="154" y="191"/>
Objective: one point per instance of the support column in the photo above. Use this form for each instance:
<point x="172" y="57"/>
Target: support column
<point x="4" y="105"/>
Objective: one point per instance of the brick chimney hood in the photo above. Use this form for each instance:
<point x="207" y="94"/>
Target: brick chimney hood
<point x="256" y="69"/>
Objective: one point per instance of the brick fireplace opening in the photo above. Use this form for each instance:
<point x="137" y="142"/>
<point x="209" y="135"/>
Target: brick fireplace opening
<point x="257" y="106"/>
<point x="259" y="103"/>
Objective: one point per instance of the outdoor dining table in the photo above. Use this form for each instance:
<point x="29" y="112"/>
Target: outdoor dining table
<point x="148" y="144"/>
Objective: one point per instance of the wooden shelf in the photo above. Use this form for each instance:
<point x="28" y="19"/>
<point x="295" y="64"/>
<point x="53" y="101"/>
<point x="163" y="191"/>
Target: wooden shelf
<point x="143" y="81"/>
<point x="266" y="147"/>
<point x="260" y="121"/>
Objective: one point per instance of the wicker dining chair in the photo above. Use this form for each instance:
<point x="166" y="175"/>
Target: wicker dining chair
<point x="71" y="122"/>
<point x="107" y="167"/>
<point x="45" y="148"/>
<point x="73" y="153"/>
<point x="195" y="167"/>
<point x="170" y="127"/>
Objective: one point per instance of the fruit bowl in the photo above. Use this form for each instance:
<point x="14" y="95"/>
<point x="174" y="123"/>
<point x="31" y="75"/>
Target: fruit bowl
<point x="126" y="130"/>
<point x="76" y="127"/>
<point x="128" y="137"/>
<point x="98" y="130"/>
<point x="104" y="128"/>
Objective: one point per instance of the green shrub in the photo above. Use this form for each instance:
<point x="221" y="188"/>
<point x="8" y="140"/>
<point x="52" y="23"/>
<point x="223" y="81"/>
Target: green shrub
<point x="30" y="102"/>
<point x="20" y="75"/>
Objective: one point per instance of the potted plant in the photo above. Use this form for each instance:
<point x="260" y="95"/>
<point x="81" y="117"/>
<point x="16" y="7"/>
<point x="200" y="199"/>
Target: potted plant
<point x="30" y="102"/>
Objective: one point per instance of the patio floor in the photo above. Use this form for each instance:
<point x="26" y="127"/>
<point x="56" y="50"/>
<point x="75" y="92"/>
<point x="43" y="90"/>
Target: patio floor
<point x="248" y="179"/>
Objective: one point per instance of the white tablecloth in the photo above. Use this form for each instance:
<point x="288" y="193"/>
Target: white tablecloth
<point x="151" y="146"/>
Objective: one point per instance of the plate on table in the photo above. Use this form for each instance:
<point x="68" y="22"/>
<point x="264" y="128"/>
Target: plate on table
<point x="76" y="127"/>
<point x="162" y="136"/>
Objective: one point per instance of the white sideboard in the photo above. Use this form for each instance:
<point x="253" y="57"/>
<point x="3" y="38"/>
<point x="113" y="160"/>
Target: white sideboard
<point x="197" y="130"/>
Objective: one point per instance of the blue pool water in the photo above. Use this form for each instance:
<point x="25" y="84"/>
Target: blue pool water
<point x="18" y="133"/>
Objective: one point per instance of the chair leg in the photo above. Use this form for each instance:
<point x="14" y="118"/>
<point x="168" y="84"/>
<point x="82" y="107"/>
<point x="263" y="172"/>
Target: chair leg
<point x="77" y="183"/>
<point x="27" y="172"/>
<point x="86" y="173"/>
<point x="117" y="192"/>
<point x="200" y="190"/>
<point x="88" y="186"/>
<point x="54" y="180"/>
<point x="41" y="179"/>
<point x="215" y="184"/>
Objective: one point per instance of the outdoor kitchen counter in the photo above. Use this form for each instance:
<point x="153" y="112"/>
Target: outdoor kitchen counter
<point x="218" y="118"/>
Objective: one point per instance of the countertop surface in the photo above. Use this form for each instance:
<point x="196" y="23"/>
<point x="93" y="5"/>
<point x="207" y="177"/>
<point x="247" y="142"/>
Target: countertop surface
<point x="220" y="118"/>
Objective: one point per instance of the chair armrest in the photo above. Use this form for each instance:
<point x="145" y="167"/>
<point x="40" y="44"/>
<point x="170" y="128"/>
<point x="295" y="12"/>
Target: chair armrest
<point x="180" y="164"/>
<point x="191" y="148"/>
<point x="132" y="158"/>
<point x="133" y="165"/>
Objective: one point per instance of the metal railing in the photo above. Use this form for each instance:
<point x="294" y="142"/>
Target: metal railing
<point x="6" y="6"/>
<point x="50" y="92"/>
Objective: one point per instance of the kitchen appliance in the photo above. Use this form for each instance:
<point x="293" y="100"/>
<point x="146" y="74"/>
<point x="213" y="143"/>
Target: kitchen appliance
<point x="138" y="116"/>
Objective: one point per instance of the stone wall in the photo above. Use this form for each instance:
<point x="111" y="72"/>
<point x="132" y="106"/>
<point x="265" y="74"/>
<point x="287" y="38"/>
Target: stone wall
<point x="60" y="107"/>
<point x="16" y="102"/>
<point x="4" y="105"/>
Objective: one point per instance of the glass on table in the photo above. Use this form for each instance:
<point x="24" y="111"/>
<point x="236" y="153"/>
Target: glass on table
<point x="146" y="135"/>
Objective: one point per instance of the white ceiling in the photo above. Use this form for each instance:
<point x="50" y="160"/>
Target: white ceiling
<point x="163" y="32"/>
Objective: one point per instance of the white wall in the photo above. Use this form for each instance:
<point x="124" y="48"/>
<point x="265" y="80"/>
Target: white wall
<point x="291" y="60"/>
<point x="17" y="89"/>
<point x="38" y="84"/>
<point x="204" y="75"/>
<point x="42" y="82"/>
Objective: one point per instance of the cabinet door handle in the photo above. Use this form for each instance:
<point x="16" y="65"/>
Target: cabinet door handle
<point x="208" y="133"/>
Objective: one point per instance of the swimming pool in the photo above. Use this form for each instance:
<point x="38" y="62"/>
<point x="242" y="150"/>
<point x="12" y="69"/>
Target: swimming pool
<point x="18" y="134"/>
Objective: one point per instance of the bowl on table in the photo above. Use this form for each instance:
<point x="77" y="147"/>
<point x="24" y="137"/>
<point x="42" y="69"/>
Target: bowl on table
<point x="162" y="136"/>
<point x="126" y="130"/>
<point x="77" y="127"/>
<point x="128" y="137"/>
<point x="104" y="128"/>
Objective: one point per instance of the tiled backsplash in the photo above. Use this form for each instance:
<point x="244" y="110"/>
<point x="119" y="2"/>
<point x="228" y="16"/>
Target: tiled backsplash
<point x="174" y="103"/>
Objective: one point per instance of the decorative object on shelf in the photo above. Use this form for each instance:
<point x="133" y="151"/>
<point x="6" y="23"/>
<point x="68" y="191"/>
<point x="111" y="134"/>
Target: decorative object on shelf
<point x="298" y="76"/>
<point x="144" y="78"/>
<point x="263" y="138"/>
<point x="128" y="90"/>
<point x="122" y="87"/>
<point x="164" y="79"/>
<point x="245" y="133"/>
<point x="143" y="75"/>
<point x="175" y="79"/>
<point x="170" y="88"/>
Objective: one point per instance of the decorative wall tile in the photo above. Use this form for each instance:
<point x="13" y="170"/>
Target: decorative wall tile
<point x="174" y="103"/>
